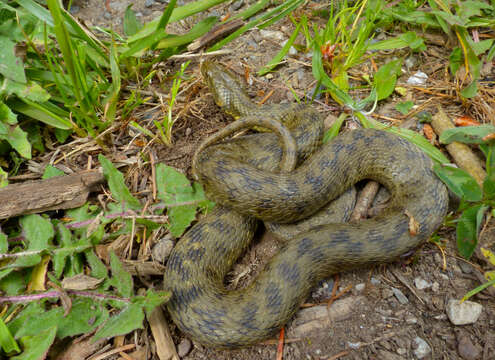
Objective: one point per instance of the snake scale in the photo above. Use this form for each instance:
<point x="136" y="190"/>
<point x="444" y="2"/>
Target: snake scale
<point x="244" y="178"/>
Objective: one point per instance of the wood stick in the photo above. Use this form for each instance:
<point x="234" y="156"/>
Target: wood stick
<point x="61" y="192"/>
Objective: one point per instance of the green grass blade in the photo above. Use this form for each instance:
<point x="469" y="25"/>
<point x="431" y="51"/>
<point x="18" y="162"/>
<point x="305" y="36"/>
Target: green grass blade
<point x="164" y="19"/>
<point x="40" y="112"/>
<point x="281" y="54"/>
<point x="409" y="135"/>
<point x="197" y="31"/>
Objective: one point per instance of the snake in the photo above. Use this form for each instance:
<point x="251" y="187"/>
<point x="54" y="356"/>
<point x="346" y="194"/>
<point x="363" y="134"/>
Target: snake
<point x="261" y="177"/>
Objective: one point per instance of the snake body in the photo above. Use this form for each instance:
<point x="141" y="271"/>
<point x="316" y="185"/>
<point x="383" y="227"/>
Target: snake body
<point x="250" y="189"/>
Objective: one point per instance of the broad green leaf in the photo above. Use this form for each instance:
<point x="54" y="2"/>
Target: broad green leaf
<point x="121" y="279"/>
<point x="29" y="90"/>
<point x="386" y="78"/>
<point x="410" y="39"/>
<point x="85" y="315"/>
<point x="489" y="186"/>
<point x="11" y="66"/>
<point x="131" y="24"/>
<point x="17" y="138"/>
<point x="98" y="269"/>
<point x="471" y="90"/>
<point x="117" y="185"/>
<point x="36" y="347"/>
<point x="128" y="319"/>
<point x="467" y="134"/>
<point x="172" y="182"/>
<point x="468" y="228"/>
<point x="7" y="342"/>
<point x="404" y="107"/>
<point x="4" y="244"/>
<point x="151" y="300"/>
<point x="459" y="182"/>
<point x="180" y="218"/>
<point x="489" y="151"/>
<point x="14" y="283"/>
<point x="38" y="322"/>
<point x="38" y="231"/>
<point x="7" y="117"/>
<point x="455" y="60"/>
<point x="3" y="178"/>
<point x="51" y="171"/>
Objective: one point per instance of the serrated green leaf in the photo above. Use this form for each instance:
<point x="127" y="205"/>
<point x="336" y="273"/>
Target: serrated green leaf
<point x="14" y="283"/>
<point x="467" y="134"/>
<point x="128" y="319"/>
<point x="117" y="185"/>
<point x="37" y="231"/>
<point x="386" y="78"/>
<point x="11" y="66"/>
<point x="51" y="171"/>
<point x="468" y="228"/>
<point x="404" y="107"/>
<point x="7" y="342"/>
<point x="151" y="300"/>
<point x="17" y="138"/>
<point x="180" y="218"/>
<point x="121" y="279"/>
<point x="172" y="182"/>
<point x="98" y="269"/>
<point x="471" y="90"/>
<point x="85" y="315"/>
<point x="459" y="182"/>
<point x="36" y="347"/>
<point x="38" y="322"/>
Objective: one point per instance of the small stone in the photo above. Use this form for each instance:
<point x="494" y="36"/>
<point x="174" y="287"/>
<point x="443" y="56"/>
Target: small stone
<point x="374" y="281"/>
<point x="400" y="296"/>
<point x="467" y="350"/>
<point x="444" y="276"/>
<point x="269" y="76"/>
<point x="435" y="286"/>
<point x="421" y="284"/>
<point x="411" y="320"/>
<point x="401" y="351"/>
<point x="292" y="50"/>
<point x="324" y="290"/>
<point x="464" y="313"/>
<point x="107" y="15"/>
<point x="237" y="5"/>
<point x="419" y="78"/>
<point x="163" y="1"/>
<point x="360" y="287"/>
<point x="273" y="35"/>
<point x="354" y="346"/>
<point x="465" y="267"/>
<point x="74" y="9"/>
<point x="184" y="347"/>
<point x="421" y="348"/>
<point x="162" y="249"/>
<point x="149" y="3"/>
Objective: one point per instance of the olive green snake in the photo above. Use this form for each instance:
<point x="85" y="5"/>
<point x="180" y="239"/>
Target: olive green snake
<point x="251" y="178"/>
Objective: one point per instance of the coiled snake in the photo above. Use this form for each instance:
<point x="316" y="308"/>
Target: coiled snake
<point x="243" y="176"/>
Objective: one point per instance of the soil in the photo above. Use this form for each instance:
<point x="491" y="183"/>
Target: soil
<point x="379" y="324"/>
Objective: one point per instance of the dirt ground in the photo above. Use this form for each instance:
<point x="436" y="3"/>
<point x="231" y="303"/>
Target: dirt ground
<point x="373" y="320"/>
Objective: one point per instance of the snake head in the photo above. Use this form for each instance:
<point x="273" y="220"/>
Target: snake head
<point x="227" y="89"/>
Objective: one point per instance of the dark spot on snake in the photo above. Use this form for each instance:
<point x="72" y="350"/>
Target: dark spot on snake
<point x="375" y="236"/>
<point x="273" y="297"/>
<point x="183" y="297"/>
<point x="196" y="254"/>
<point x="290" y="273"/>
<point x="304" y="246"/>
<point x="339" y="237"/>
<point x="248" y="316"/>
<point x="316" y="182"/>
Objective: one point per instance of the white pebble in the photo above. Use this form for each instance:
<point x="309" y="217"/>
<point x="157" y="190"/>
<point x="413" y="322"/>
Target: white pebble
<point x="464" y="313"/>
